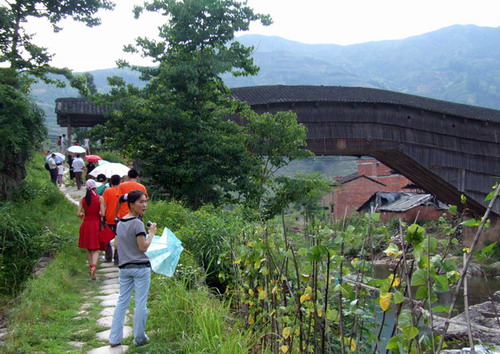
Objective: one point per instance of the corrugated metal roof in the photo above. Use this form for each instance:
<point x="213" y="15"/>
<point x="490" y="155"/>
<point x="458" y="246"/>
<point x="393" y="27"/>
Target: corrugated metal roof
<point x="406" y="201"/>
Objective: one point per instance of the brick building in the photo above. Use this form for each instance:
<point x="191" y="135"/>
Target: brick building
<point x="352" y="191"/>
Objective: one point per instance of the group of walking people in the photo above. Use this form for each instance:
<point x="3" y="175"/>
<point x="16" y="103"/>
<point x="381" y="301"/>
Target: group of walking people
<point x="120" y="206"/>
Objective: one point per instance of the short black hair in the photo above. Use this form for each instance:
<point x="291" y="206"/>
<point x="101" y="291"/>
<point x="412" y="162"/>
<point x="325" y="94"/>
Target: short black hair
<point x="132" y="173"/>
<point x="77" y="155"/>
<point x="101" y="177"/>
<point x="115" y="180"/>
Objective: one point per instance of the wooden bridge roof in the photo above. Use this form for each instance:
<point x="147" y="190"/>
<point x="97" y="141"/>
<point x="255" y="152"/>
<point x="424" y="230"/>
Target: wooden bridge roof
<point x="448" y="148"/>
<point x="262" y="95"/>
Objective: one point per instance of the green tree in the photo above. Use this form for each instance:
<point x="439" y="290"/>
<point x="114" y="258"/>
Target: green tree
<point x="21" y="61"/>
<point x="21" y="131"/>
<point x="16" y="45"/>
<point x="273" y="140"/>
<point x="303" y="190"/>
<point x="175" y="126"/>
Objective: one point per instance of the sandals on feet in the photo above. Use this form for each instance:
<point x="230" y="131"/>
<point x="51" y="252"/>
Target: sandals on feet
<point x="92" y="272"/>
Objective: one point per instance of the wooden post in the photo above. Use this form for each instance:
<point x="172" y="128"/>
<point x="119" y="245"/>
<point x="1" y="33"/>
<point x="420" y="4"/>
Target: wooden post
<point x="69" y="132"/>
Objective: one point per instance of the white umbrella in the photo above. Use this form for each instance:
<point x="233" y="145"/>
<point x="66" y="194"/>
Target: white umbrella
<point x="110" y="169"/>
<point x="59" y="157"/>
<point x="102" y="162"/>
<point x="77" y="149"/>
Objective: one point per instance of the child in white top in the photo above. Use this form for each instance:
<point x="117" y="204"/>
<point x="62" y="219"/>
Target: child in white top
<point x="60" y="172"/>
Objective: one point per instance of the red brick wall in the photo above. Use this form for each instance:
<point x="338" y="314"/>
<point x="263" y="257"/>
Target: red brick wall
<point x="424" y="213"/>
<point x="373" y="168"/>
<point x="393" y="183"/>
<point x="351" y="195"/>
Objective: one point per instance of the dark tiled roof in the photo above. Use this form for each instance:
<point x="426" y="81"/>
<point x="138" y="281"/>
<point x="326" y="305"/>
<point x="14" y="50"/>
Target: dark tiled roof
<point x="72" y="105"/>
<point x="257" y="95"/>
<point x="354" y="176"/>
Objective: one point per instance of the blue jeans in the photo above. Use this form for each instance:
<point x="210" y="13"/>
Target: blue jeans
<point x="137" y="279"/>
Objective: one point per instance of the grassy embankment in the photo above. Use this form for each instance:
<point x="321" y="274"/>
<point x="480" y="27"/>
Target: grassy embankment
<point x="184" y="315"/>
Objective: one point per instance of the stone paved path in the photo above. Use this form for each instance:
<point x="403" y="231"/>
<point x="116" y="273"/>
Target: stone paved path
<point x="107" y="274"/>
<point x="108" y="296"/>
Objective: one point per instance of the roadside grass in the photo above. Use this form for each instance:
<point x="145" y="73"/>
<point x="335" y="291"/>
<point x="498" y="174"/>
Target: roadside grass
<point x="45" y="319"/>
<point x="46" y="316"/>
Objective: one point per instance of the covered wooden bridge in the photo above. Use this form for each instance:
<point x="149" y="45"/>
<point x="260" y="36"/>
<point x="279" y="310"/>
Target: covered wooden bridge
<point x="447" y="148"/>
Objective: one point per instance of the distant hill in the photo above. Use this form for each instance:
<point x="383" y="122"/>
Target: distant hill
<point x="460" y="63"/>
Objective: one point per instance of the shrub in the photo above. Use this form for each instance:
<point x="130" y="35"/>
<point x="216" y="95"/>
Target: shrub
<point x="112" y="156"/>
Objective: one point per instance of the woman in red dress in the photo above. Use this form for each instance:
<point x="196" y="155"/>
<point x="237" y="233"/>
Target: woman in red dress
<point x="91" y="210"/>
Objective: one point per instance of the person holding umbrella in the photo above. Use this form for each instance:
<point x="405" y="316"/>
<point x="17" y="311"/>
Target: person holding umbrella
<point x="90" y="167"/>
<point x="70" y="164"/>
<point x="78" y="166"/>
<point x="53" y="168"/>
<point x="134" y="268"/>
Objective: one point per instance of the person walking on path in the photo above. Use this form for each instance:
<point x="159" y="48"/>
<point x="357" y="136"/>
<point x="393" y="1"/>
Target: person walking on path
<point x="64" y="144"/>
<point x="86" y="145"/>
<point x="134" y="269"/>
<point x="90" y="168"/>
<point x="60" y="173"/>
<point x="126" y="187"/>
<point x="111" y="196"/>
<point x="53" y="168"/>
<point x="91" y="210"/>
<point x="78" y="166"/>
<point x="70" y="162"/>
<point x="102" y="179"/>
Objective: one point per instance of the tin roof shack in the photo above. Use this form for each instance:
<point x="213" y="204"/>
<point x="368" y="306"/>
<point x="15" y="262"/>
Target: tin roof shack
<point x="349" y="194"/>
<point x="407" y="206"/>
<point x="352" y="191"/>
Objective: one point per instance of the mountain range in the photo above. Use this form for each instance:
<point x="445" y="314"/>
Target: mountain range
<point x="460" y="63"/>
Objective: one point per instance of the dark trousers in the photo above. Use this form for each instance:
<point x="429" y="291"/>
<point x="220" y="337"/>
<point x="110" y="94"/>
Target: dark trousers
<point x="78" y="177"/>
<point x="109" y="249"/>
<point x="53" y="175"/>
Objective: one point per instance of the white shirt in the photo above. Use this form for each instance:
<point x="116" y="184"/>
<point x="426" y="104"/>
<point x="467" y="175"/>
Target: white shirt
<point x="60" y="169"/>
<point x="86" y="142"/>
<point x="52" y="163"/>
<point x="78" y="165"/>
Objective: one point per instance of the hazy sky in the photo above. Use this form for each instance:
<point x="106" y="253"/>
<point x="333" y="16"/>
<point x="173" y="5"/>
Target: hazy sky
<point x="309" y="21"/>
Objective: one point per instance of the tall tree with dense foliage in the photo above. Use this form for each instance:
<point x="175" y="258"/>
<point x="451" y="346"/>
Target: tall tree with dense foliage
<point x="22" y="61"/>
<point x="175" y="126"/>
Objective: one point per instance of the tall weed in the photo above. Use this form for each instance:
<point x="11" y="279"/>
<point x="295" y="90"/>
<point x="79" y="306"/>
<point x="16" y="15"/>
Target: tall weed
<point x="192" y="321"/>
